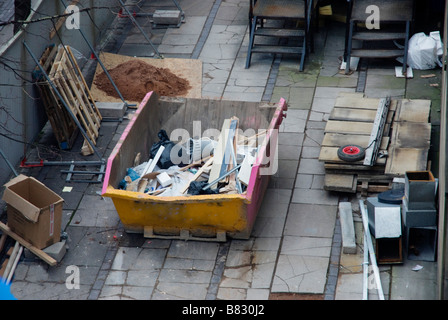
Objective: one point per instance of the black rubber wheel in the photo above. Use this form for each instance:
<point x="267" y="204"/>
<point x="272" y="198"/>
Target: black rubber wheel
<point x="351" y="153"/>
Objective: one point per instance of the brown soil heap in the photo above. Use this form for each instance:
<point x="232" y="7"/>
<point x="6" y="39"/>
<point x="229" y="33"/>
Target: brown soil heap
<point x="134" y="79"/>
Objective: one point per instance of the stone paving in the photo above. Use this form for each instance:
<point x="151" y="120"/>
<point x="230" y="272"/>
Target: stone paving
<point x="295" y="246"/>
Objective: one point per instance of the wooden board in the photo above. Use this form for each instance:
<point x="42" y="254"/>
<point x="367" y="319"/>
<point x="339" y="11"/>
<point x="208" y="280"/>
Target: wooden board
<point x="330" y="154"/>
<point x="354" y="127"/>
<point x="358" y="115"/>
<point x="357" y="101"/>
<point x="339" y="139"/>
<point x="189" y="69"/>
<point x="414" y="110"/>
<point x="406" y="159"/>
<point x="404" y="135"/>
<point x="340" y="182"/>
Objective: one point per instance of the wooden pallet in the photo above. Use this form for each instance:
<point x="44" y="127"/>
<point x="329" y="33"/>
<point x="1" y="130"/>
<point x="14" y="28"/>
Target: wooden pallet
<point x="67" y="77"/>
<point x="64" y="128"/>
<point x="65" y="74"/>
<point x="404" y="146"/>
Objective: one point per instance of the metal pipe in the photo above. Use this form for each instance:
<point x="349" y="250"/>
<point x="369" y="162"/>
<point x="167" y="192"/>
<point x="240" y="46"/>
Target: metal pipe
<point x="8" y="163"/>
<point x="62" y="100"/>
<point x="376" y="271"/>
<point x="222" y="177"/>
<point x="442" y="230"/>
<point x="365" y="289"/>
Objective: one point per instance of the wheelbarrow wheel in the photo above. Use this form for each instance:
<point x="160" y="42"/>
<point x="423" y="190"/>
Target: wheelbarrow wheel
<point x="351" y="153"/>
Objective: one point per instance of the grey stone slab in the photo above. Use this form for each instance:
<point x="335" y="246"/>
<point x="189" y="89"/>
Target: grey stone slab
<point x="310" y="152"/>
<point x="306" y="246"/>
<point x="184" y="276"/>
<point x="111" y="293"/>
<point x="237" y="277"/>
<point x="268" y="227"/>
<point x="290" y="138"/>
<point x="116" y="278"/>
<point x="175" y="49"/>
<point x="311" y="166"/>
<point x="142" y="278"/>
<point x="286" y="152"/>
<point x="182" y="263"/>
<point x="137" y="292"/>
<point x="330" y="92"/>
<point x="266" y="244"/>
<point x="287" y="168"/>
<point x="257" y="294"/>
<point x="137" y="50"/>
<point x="125" y="258"/>
<point x="323" y="105"/>
<point x="347" y="227"/>
<point x="149" y="259"/>
<point x="301" y="98"/>
<point x="308" y="220"/>
<point x="314" y="137"/>
<point x="300" y="274"/>
<point x="180" y="291"/>
<point x="111" y="109"/>
<point x="232" y="294"/>
<point x="192" y="26"/>
<point x="193" y="250"/>
<point x="304" y="181"/>
<point x="314" y="196"/>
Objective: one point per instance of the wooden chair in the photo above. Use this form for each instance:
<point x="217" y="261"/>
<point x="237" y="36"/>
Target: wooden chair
<point x="291" y="12"/>
<point x="395" y="22"/>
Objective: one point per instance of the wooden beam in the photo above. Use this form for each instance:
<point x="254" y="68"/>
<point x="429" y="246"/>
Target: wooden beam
<point x="45" y="257"/>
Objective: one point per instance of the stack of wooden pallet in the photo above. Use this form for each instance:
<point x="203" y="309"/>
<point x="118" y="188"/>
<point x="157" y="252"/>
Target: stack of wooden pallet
<point x="60" y="65"/>
<point x="404" y="146"/>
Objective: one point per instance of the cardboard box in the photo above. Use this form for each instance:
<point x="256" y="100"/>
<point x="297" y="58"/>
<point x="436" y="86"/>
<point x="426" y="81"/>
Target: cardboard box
<point x="34" y="211"/>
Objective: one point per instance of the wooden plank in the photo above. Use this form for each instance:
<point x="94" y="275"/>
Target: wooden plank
<point x="340" y="139"/>
<point x="330" y="154"/>
<point x="45" y="257"/>
<point x="198" y="174"/>
<point x="352" y="114"/>
<point x="411" y="135"/>
<point x="355" y="101"/>
<point x="355" y="127"/>
<point x="219" y="152"/>
<point x="340" y="182"/>
<point x="414" y="110"/>
<point x="401" y="160"/>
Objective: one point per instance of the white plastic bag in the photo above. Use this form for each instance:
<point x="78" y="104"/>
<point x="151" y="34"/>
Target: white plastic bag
<point x="423" y="51"/>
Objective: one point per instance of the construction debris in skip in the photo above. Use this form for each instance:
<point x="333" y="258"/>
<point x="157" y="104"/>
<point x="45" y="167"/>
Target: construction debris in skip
<point x="196" y="166"/>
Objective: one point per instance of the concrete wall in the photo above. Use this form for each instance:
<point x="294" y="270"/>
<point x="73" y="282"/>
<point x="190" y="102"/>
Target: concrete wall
<point x="22" y="116"/>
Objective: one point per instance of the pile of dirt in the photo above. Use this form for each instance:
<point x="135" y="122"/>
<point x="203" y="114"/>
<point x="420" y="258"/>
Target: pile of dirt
<point x="134" y="79"/>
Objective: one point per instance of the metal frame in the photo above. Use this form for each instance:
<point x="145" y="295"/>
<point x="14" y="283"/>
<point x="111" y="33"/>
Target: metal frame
<point x="377" y="132"/>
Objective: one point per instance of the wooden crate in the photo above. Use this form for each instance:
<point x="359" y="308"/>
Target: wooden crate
<point x="67" y="77"/>
<point x="64" y="128"/>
